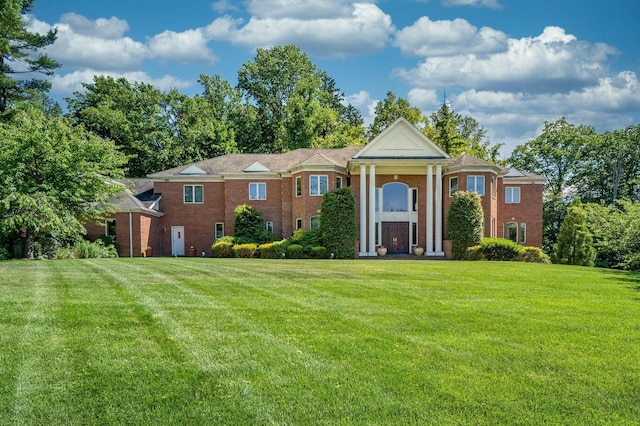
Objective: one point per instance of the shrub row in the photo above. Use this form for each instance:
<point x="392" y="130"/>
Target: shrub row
<point x="304" y="244"/>
<point x="84" y="249"/>
<point x="505" y="250"/>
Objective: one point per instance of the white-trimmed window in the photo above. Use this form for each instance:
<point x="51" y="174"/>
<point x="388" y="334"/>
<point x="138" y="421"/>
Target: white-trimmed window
<point x="338" y="182"/>
<point x="219" y="230"/>
<point x="299" y="186"/>
<point x="298" y="223"/>
<point x="512" y="232"/>
<point x="269" y="226"/>
<point x="257" y="191"/>
<point x="314" y="222"/>
<point x="110" y="228"/>
<point x="318" y="184"/>
<point x="193" y="194"/>
<point x="512" y="194"/>
<point x="523" y="233"/>
<point x="453" y="185"/>
<point x="476" y="183"/>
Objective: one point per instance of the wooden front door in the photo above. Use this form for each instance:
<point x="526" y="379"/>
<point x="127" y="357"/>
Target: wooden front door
<point x="395" y="237"/>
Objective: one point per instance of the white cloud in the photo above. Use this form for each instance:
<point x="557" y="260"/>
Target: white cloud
<point x="72" y="82"/>
<point x="187" y="46"/>
<point x="365" y="104"/>
<point x="446" y="38"/>
<point x="223" y="6"/>
<point x="302" y="9"/>
<point x="112" y="28"/>
<point x="366" y="29"/>
<point x="550" y="62"/>
<point x="493" y="4"/>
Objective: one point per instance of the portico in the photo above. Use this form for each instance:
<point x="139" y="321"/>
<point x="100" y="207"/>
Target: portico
<point x="400" y="194"/>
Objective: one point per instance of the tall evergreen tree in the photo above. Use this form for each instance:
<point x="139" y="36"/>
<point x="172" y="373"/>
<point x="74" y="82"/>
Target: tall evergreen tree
<point x="464" y="223"/>
<point x="575" y="243"/>
<point x="17" y="47"/>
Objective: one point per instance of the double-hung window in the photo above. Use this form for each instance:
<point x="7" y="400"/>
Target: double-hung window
<point x="258" y="191"/>
<point x="298" y="186"/>
<point x="193" y="194"/>
<point x="453" y="185"/>
<point x="512" y="194"/>
<point x="476" y="183"/>
<point x="318" y="184"/>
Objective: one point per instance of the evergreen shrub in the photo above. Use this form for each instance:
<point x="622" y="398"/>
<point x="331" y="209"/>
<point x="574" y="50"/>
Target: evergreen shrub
<point x="245" y="250"/>
<point x="464" y="222"/>
<point x="295" y="251"/>
<point x="319" y="252"/>
<point x="223" y="249"/>
<point x="500" y="249"/>
<point x="534" y="255"/>
<point x="338" y="226"/>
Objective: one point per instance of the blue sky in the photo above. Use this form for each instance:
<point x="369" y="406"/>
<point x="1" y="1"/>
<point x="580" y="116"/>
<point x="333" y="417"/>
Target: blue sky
<point x="510" y="64"/>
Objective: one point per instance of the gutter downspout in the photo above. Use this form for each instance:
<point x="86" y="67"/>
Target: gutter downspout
<point x="130" y="235"/>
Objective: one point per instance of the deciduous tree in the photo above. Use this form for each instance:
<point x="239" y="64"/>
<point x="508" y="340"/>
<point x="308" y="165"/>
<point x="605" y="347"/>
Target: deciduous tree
<point x="575" y="242"/>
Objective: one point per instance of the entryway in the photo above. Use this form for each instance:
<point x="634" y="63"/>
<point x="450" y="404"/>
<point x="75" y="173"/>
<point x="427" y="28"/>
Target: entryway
<point x="395" y="237"/>
<point x="177" y="241"/>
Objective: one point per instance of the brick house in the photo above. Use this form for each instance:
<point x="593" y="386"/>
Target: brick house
<point x="402" y="183"/>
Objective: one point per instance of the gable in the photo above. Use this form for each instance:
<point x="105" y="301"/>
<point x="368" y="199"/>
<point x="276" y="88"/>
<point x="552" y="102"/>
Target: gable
<point x="256" y="167"/>
<point x="401" y="140"/>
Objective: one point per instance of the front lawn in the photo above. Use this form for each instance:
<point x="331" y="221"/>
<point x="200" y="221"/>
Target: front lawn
<point x="254" y="341"/>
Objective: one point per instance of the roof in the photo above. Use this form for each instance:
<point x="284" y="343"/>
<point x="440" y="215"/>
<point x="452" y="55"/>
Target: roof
<point x="137" y="196"/>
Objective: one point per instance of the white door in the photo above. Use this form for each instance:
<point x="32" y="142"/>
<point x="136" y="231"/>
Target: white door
<point x="177" y="241"/>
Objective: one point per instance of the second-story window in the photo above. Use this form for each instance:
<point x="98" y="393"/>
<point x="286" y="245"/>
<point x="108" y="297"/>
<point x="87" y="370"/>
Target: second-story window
<point x="258" y="191"/>
<point x="512" y="194"/>
<point x="476" y="183"/>
<point x="318" y="184"/>
<point x="193" y="194"/>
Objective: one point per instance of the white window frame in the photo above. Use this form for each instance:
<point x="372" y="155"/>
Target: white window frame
<point x="107" y="225"/>
<point x="475" y="185"/>
<point x="298" y="188"/>
<point x="510" y="195"/>
<point x="221" y="233"/>
<point x="523" y="233"/>
<point x="193" y="194"/>
<point x="338" y="182"/>
<point x="257" y="196"/>
<point x="506" y="231"/>
<point x="269" y="226"/>
<point x="313" y="219"/>
<point x="298" y="223"/>
<point x="318" y="185"/>
<point x="451" y="190"/>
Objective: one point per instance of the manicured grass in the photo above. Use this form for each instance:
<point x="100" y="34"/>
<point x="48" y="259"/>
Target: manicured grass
<point x="236" y="341"/>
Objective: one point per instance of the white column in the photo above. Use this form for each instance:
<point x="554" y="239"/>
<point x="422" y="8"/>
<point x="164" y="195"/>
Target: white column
<point x="372" y="209"/>
<point x="363" y="210"/>
<point x="439" y="251"/>
<point x="429" y="209"/>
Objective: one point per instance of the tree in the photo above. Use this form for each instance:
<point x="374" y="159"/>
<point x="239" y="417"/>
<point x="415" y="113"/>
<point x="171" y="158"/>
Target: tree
<point x="575" y="243"/>
<point x="17" y="47"/>
<point x="464" y="222"/>
<point x="248" y="226"/>
<point x="338" y="226"/>
<point x="389" y="110"/>
<point x="54" y="178"/>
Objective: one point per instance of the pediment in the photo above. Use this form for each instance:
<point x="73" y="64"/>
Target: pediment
<point x="401" y="140"/>
<point x="193" y="170"/>
<point x="257" y="167"/>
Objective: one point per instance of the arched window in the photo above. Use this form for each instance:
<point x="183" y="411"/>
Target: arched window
<point x="314" y="222"/>
<point x="512" y="231"/>
<point x="395" y="197"/>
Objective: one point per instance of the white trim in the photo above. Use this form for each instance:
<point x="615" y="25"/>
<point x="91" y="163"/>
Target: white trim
<point x="372" y="210"/>
<point x="363" y="210"/>
<point x="193" y="189"/>
<point x="258" y="191"/>
<point x="439" y="251"/>
<point x="429" y="248"/>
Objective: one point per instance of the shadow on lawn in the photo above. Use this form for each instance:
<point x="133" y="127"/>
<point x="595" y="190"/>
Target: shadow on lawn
<point x="625" y="277"/>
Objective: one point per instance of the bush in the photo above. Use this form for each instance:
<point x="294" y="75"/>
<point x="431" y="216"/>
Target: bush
<point x="632" y="263"/>
<point x="338" y="227"/>
<point x="474" y="253"/>
<point x="4" y="254"/>
<point x="533" y="254"/>
<point x="245" y="250"/>
<point x="295" y="251"/>
<point x="307" y="238"/>
<point x="249" y="226"/>
<point x="464" y="222"/>
<point x="274" y="250"/>
<point x="500" y="249"/>
<point x="318" y="252"/>
<point x="84" y="249"/>
<point x="223" y="249"/>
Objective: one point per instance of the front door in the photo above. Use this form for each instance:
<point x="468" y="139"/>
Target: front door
<point x="395" y="237"/>
<point x="177" y="241"/>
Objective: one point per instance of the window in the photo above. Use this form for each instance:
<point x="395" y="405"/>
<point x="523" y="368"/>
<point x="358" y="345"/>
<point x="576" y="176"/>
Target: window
<point x="512" y="232"/>
<point x="110" y="228"/>
<point x="453" y="185"/>
<point x="299" y="186"/>
<point x="493" y="187"/>
<point x="414" y="199"/>
<point x="512" y="194"/>
<point x="318" y="184"/>
<point x="414" y="233"/>
<point x="523" y="233"/>
<point x="476" y="183"/>
<point x="269" y="227"/>
<point x="395" y="197"/>
<point x="314" y="222"/>
<point x="193" y="194"/>
<point x="298" y="223"/>
<point x="219" y="230"/>
<point x="258" y="191"/>
<point x="338" y="182"/>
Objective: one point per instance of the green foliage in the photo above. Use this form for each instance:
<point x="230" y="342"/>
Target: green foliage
<point x="246" y="251"/>
<point x="275" y="250"/>
<point x="294" y="251"/>
<point x="307" y="238"/>
<point x="4" y="254"/>
<point x="54" y="176"/>
<point x="575" y="243"/>
<point x="319" y="252"/>
<point x="84" y="249"/>
<point x="338" y="227"/>
<point x="500" y="249"/>
<point x="248" y="225"/>
<point x="20" y="46"/>
<point x="533" y="255"/>
<point x="223" y="248"/>
<point x="389" y="110"/>
<point x="474" y="253"/>
<point x="464" y="223"/>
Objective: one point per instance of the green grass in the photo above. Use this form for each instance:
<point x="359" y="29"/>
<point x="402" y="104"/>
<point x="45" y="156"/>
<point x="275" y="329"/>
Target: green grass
<point x="236" y="341"/>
